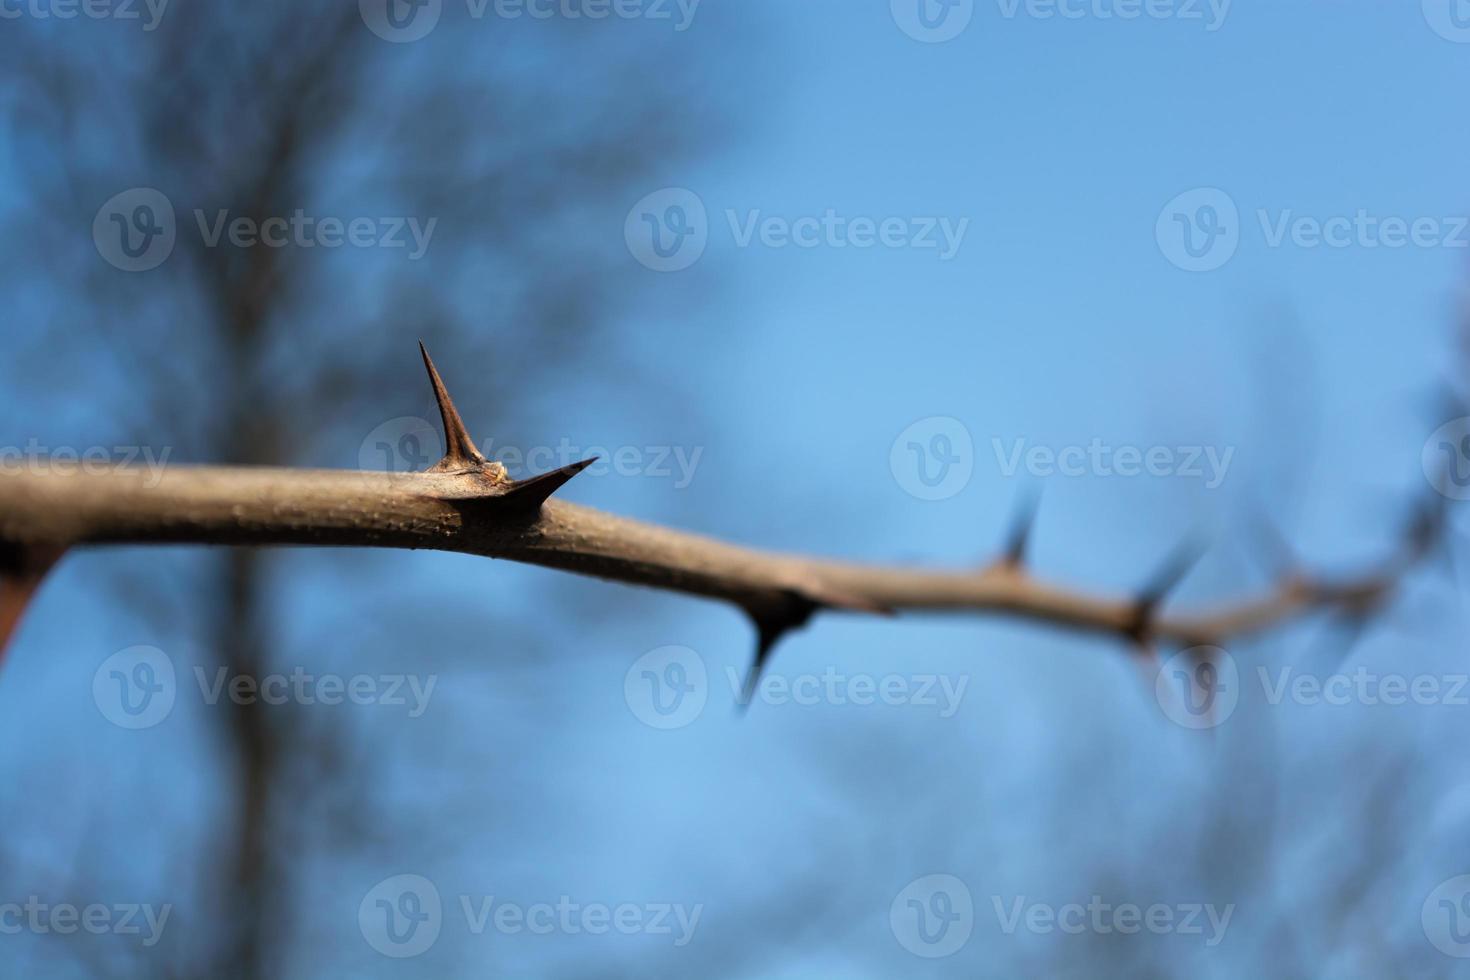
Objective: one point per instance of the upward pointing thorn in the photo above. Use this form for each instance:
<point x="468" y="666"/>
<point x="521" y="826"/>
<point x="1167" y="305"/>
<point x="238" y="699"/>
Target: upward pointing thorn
<point x="1020" y="532"/>
<point x="1163" y="582"/>
<point x="459" y="448"/>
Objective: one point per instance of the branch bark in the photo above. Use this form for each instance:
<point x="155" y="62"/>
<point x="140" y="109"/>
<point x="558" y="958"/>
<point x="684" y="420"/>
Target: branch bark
<point x="466" y="504"/>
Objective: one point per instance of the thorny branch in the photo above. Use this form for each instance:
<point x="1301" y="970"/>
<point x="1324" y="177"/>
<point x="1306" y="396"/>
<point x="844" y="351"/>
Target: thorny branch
<point x="465" y="503"/>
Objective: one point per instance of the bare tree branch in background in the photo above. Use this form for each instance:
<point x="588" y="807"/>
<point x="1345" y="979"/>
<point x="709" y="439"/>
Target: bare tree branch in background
<point x="255" y="113"/>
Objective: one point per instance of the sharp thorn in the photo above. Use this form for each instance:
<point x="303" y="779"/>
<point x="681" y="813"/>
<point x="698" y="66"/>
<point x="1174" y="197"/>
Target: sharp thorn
<point x="535" y="490"/>
<point x="1164" y="581"/>
<point x="459" y="448"/>
<point x="1022" y="522"/>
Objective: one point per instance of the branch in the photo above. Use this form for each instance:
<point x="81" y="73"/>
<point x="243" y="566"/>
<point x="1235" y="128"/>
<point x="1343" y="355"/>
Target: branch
<point x="467" y="504"/>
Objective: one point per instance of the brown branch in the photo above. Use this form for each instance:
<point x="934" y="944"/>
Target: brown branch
<point x="466" y="504"/>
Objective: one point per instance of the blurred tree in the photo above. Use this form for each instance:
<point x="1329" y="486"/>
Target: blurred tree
<point x="507" y="137"/>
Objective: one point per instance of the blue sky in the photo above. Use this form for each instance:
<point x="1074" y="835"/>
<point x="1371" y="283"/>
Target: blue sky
<point x="1060" y="321"/>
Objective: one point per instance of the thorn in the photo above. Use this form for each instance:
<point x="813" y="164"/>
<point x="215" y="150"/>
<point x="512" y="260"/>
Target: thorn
<point x="1022" y="522"/>
<point x="534" y="491"/>
<point x="771" y="624"/>
<point x="1164" y="581"/>
<point x="21" y="571"/>
<point x="459" y="448"/>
